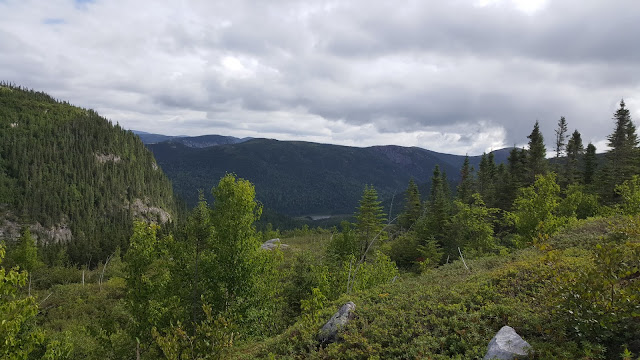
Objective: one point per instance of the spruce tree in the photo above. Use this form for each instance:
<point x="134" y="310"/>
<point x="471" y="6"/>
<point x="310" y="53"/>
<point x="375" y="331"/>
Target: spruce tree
<point x="561" y="134"/>
<point x="465" y="187"/>
<point x="413" y="206"/>
<point x="622" y="159"/>
<point x="369" y="218"/>
<point x="590" y="164"/>
<point x="575" y="151"/>
<point x="536" y="154"/>
<point x="438" y="210"/>
<point x="517" y="176"/>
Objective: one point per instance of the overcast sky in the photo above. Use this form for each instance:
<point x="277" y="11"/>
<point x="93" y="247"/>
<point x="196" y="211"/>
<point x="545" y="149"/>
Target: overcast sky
<point x="452" y="76"/>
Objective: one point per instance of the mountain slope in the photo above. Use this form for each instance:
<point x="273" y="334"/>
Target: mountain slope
<point x="72" y="175"/>
<point x="302" y="178"/>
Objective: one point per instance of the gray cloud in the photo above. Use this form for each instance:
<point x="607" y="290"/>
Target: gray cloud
<point x="457" y="76"/>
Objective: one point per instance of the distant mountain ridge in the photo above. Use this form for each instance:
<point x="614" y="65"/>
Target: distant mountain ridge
<point x="301" y="178"/>
<point x="201" y="141"/>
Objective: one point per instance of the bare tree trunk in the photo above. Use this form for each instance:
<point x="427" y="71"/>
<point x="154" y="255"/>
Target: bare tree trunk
<point x="195" y="287"/>
<point x="103" y="268"/>
<point x="137" y="351"/>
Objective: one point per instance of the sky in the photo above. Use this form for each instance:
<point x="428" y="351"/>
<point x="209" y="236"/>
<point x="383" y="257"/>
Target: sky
<point x="460" y="77"/>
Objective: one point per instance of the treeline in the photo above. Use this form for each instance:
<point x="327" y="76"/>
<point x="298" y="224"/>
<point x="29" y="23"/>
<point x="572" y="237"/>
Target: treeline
<point x="523" y="201"/>
<point x="66" y="167"/>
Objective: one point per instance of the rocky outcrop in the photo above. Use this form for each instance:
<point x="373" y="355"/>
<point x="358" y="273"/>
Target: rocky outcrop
<point x="142" y="209"/>
<point x="507" y="345"/>
<point x="55" y="234"/>
<point x="103" y="158"/>
<point x="329" y="332"/>
<point x="10" y="232"/>
<point x="272" y="244"/>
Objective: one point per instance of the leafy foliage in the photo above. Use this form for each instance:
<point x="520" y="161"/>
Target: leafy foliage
<point x="472" y="227"/>
<point x="19" y="337"/>
<point x="535" y="210"/>
<point x="600" y="303"/>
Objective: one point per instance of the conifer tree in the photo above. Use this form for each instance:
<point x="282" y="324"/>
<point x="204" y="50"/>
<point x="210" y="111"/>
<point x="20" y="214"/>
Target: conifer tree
<point x="516" y="177"/>
<point x="369" y="218"/>
<point x="536" y="154"/>
<point x="590" y="164"/>
<point x="465" y="187"/>
<point x="413" y="206"/>
<point x="561" y="134"/>
<point x="439" y="208"/>
<point x="575" y="151"/>
<point x="622" y="159"/>
<point x="502" y="183"/>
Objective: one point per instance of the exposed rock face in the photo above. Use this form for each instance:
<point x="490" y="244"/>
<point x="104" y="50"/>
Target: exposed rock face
<point x="143" y="210"/>
<point x="272" y="244"/>
<point x="507" y="345"/>
<point x="10" y="231"/>
<point x="56" y="234"/>
<point x="103" y="158"/>
<point x="329" y="332"/>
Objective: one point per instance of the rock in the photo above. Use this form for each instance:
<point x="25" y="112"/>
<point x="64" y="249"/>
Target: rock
<point x="329" y="332"/>
<point x="272" y="244"/>
<point x="507" y="345"/>
<point x="147" y="212"/>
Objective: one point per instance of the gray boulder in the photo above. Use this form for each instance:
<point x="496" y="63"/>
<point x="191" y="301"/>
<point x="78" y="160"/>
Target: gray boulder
<point x="329" y="332"/>
<point x="507" y="345"/>
<point x="272" y="244"/>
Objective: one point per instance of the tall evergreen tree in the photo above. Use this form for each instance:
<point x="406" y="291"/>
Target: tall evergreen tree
<point x="439" y="208"/>
<point x="413" y="206"/>
<point x="465" y="187"/>
<point x="503" y="200"/>
<point x="369" y="218"/>
<point x="486" y="178"/>
<point x="561" y="135"/>
<point x="575" y="151"/>
<point x="622" y="159"/>
<point x="516" y="177"/>
<point x="590" y="164"/>
<point x="536" y="154"/>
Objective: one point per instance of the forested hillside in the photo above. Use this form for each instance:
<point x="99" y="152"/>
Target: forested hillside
<point x="74" y="177"/>
<point x="302" y="178"/>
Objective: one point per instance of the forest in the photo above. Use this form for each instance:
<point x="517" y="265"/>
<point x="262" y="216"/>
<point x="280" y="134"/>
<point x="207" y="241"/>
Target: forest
<point x="550" y="247"/>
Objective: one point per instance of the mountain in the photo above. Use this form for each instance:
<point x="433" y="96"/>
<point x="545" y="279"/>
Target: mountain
<point x="204" y="141"/>
<point x="190" y="141"/>
<point x="149" y="138"/>
<point x="302" y="178"/>
<point x="73" y="177"/>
